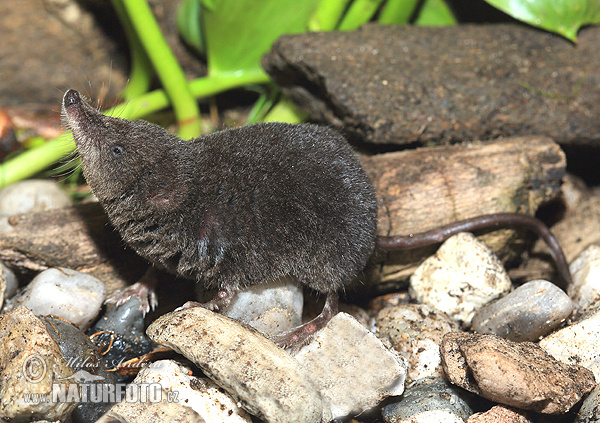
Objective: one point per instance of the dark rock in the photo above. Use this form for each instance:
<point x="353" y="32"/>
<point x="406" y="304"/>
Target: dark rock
<point x="405" y="84"/>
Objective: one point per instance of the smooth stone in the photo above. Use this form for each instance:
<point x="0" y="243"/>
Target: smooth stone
<point x="433" y="416"/>
<point x="78" y="351"/>
<point x="126" y="320"/>
<point x="201" y="395"/>
<point x="11" y="281"/>
<point x="271" y="309"/>
<point x="149" y="411"/>
<point x="526" y="314"/>
<point x="72" y="295"/>
<point x="266" y="380"/>
<point x="577" y="343"/>
<point x="30" y="363"/>
<point x="460" y="278"/>
<point x="428" y="394"/>
<point x="585" y="270"/>
<point x="32" y="195"/>
<point x="501" y="414"/>
<point x="86" y="360"/>
<point x="123" y="328"/>
<point x="590" y="408"/>
<point x="352" y="368"/>
<point x="415" y="331"/>
<point x="518" y="374"/>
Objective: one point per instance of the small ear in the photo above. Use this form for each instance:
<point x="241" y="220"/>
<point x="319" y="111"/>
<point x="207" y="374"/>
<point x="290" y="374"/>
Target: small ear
<point x="168" y="197"/>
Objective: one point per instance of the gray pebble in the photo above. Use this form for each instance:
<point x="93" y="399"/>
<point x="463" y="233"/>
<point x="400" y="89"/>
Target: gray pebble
<point x="126" y="320"/>
<point x="526" y="314"/>
<point x="74" y="296"/>
<point x="590" y="408"/>
<point x="460" y="278"/>
<point x="33" y="195"/>
<point x="428" y="394"/>
<point x="271" y="308"/>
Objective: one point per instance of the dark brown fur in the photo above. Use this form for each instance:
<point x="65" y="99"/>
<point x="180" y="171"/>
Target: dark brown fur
<point x="234" y="208"/>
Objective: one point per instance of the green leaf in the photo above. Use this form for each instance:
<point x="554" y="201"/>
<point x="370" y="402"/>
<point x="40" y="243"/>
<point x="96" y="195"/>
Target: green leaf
<point x="238" y="32"/>
<point x="435" y="13"/>
<point x="359" y="13"/>
<point x="564" y="17"/>
<point x="188" y="24"/>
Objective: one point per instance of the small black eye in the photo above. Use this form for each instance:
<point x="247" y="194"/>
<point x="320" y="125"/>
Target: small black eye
<point x="116" y="150"/>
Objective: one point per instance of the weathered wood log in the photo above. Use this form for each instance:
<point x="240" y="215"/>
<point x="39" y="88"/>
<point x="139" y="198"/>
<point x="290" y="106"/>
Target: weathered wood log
<point x="79" y="238"/>
<point x="426" y="85"/>
<point x="418" y="190"/>
<point x="425" y="188"/>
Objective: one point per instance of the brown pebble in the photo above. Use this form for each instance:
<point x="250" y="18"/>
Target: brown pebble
<point x="500" y="414"/>
<point x="521" y="375"/>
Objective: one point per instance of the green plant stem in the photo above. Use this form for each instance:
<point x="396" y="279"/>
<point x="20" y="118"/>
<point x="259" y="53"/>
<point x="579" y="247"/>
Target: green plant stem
<point x="359" y="13"/>
<point x="33" y="161"/>
<point x="397" y="12"/>
<point x="285" y="111"/>
<point x="166" y="66"/>
<point x="140" y="75"/>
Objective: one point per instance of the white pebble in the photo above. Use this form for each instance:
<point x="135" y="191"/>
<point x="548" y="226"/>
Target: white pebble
<point x="460" y="278"/>
<point x="271" y="308"/>
<point x="74" y="296"/>
<point x="200" y="394"/>
<point x="577" y="343"/>
<point x="352" y="368"/>
<point x="585" y="270"/>
<point x="33" y="195"/>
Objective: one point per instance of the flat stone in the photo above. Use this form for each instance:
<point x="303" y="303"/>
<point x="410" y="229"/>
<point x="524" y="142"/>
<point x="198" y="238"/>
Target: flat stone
<point x="460" y="278"/>
<point x="521" y="374"/>
<point x="410" y="84"/>
<point x="526" y="314"/>
<point x="577" y="343"/>
<point x="267" y="381"/>
<point x="352" y="368"/>
<point x="415" y="332"/>
<point x="30" y="363"/>
<point x="201" y="395"/>
<point x="428" y="394"/>
<point x="149" y="411"/>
